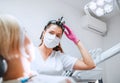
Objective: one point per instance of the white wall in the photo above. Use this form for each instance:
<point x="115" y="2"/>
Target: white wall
<point x="112" y="66"/>
<point x="34" y="14"/>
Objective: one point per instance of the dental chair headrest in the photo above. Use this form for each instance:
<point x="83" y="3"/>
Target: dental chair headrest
<point x="3" y="66"/>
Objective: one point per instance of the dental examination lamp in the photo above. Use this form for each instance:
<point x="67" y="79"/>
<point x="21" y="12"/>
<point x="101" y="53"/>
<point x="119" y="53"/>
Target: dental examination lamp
<point x="99" y="7"/>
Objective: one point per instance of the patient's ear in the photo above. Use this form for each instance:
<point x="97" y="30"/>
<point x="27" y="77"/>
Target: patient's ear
<point x="26" y="43"/>
<point x="29" y="48"/>
<point x="26" y="40"/>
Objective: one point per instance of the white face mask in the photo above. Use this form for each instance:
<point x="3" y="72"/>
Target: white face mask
<point x="50" y="40"/>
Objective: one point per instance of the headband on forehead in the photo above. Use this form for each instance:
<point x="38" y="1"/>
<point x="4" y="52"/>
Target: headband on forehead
<point x="58" y="22"/>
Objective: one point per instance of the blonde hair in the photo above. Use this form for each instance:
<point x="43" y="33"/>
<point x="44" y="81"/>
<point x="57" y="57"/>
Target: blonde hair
<point x="9" y="35"/>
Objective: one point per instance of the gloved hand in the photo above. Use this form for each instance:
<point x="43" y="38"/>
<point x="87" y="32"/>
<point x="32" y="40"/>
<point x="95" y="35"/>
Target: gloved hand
<point x="69" y="33"/>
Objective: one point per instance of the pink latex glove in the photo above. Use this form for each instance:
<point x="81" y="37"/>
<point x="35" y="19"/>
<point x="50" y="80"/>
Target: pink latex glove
<point x="69" y="33"/>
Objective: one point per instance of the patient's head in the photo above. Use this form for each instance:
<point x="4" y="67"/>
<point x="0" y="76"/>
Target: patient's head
<point x="10" y="35"/>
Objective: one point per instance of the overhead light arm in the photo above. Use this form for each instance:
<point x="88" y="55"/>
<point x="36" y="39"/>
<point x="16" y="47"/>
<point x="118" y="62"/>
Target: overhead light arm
<point x="86" y="10"/>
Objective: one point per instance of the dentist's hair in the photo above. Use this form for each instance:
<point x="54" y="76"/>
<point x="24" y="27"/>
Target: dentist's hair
<point x="10" y="39"/>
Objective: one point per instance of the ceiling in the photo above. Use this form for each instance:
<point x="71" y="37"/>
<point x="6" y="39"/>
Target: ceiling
<point x="79" y="4"/>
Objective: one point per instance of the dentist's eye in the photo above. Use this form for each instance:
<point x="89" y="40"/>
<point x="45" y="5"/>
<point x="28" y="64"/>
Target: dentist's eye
<point x="51" y="32"/>
<point x="59" y="36"/>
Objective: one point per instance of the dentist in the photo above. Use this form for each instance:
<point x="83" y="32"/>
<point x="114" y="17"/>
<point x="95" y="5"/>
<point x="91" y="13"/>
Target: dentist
<point x="50" y="58"/>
